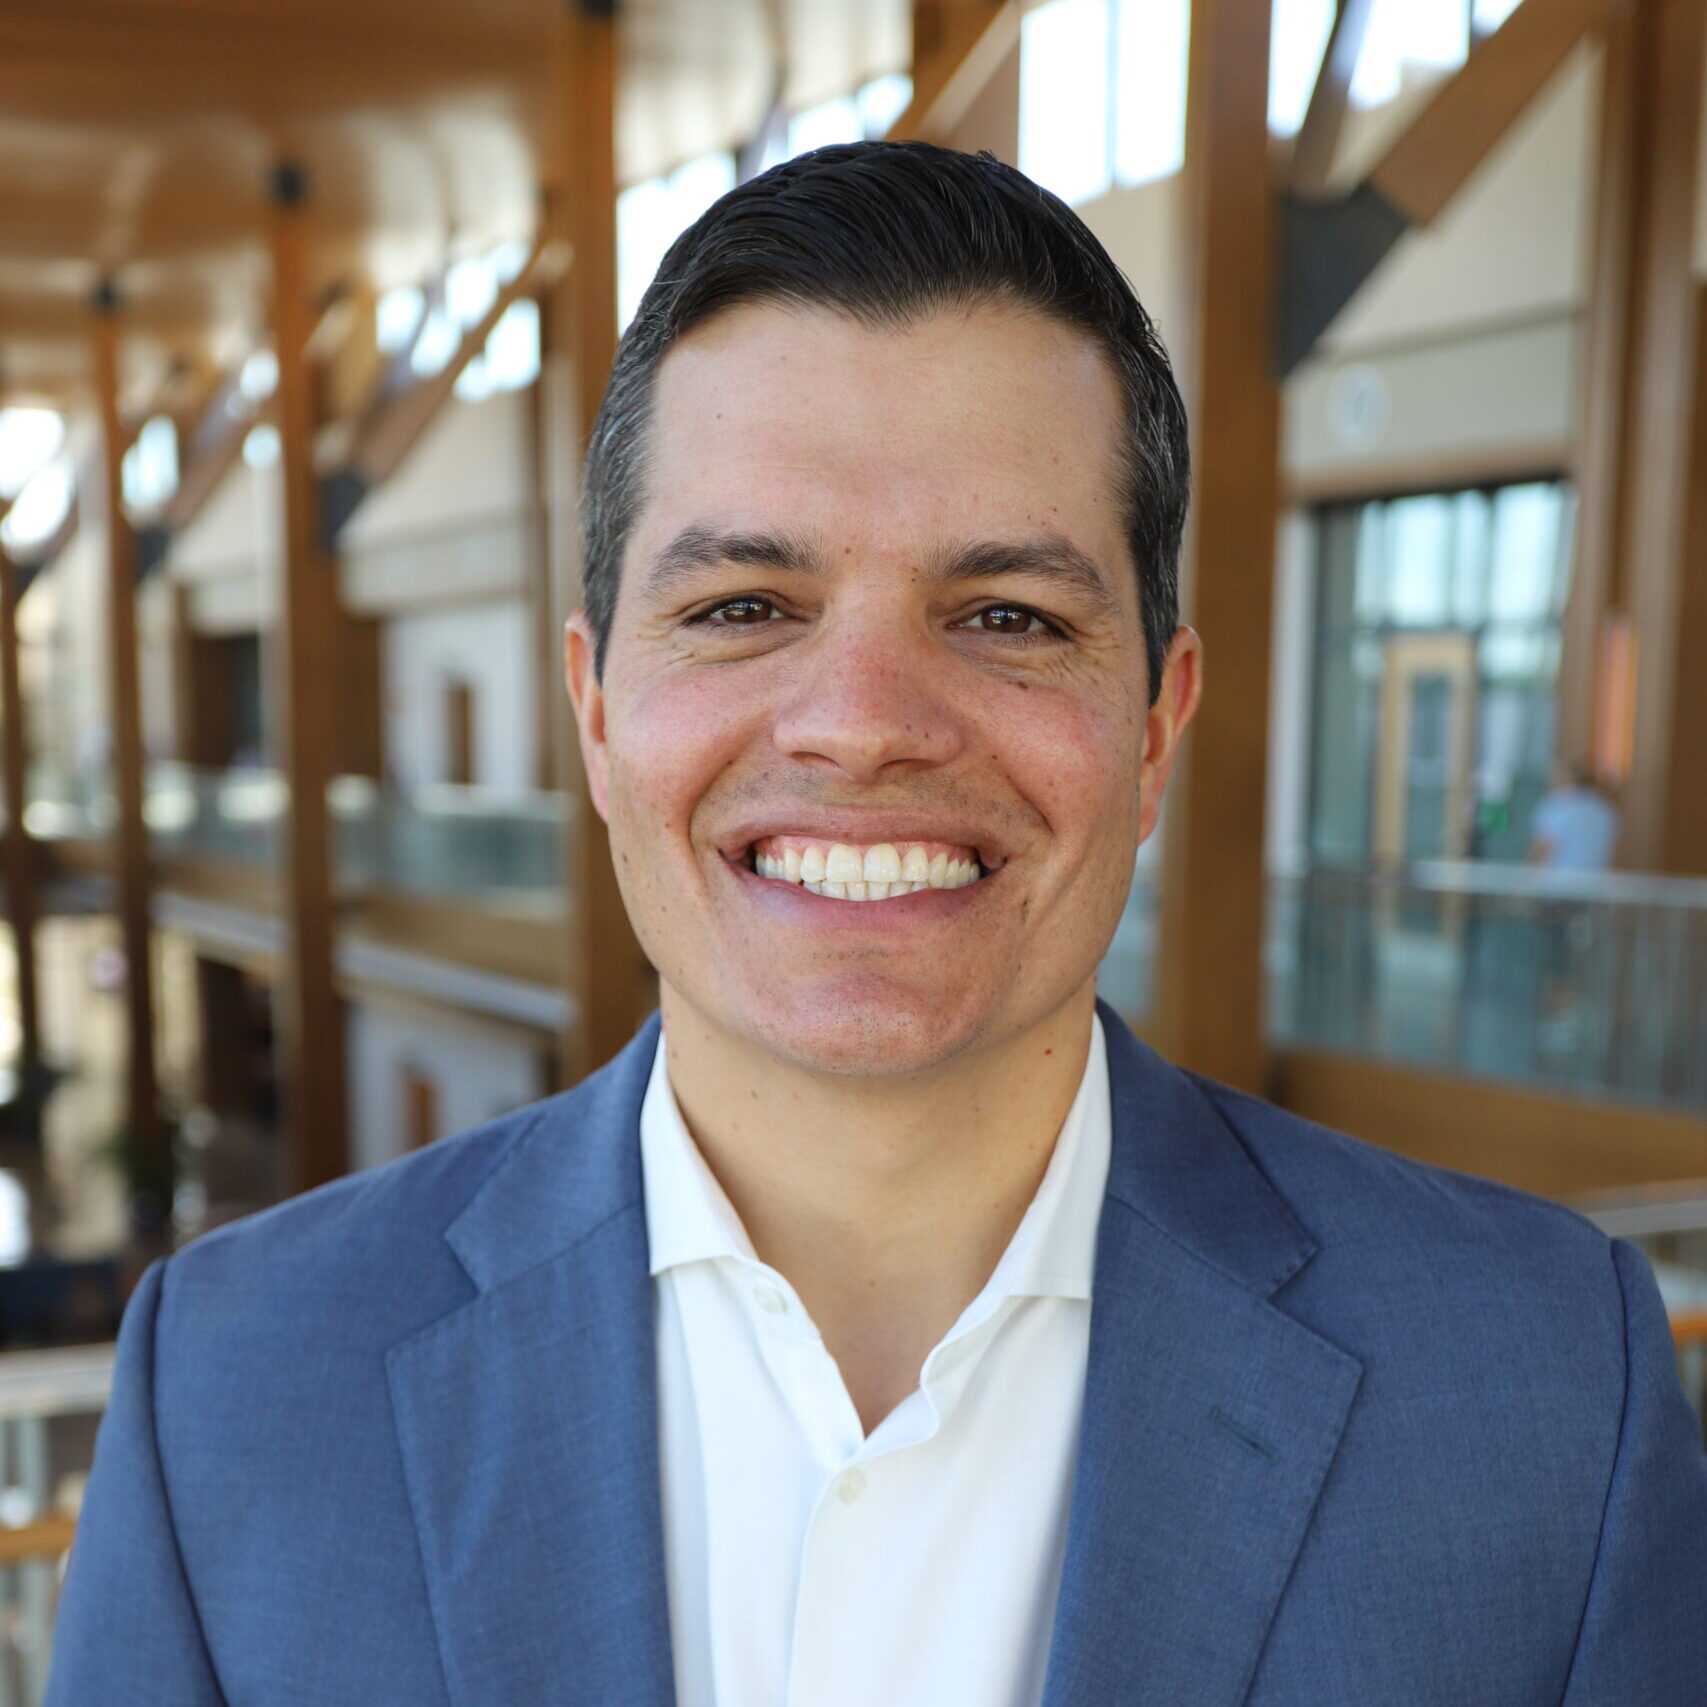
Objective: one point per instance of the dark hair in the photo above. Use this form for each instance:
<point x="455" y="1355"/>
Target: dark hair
<point x="888" y="232"/>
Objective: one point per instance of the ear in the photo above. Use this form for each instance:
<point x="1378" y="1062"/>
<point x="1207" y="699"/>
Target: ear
<point x="587" y="695"/>
<point x="1176" y="705"/>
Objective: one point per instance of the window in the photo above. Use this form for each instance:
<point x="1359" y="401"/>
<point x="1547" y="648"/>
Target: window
<point x="150" y="467"/>
<point x="1478" y="575"/>
<point x="650" y="216"/>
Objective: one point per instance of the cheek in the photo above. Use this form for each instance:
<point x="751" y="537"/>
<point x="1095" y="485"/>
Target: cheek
<point x="1074" y="756"/>
<point x="669" y="743"/>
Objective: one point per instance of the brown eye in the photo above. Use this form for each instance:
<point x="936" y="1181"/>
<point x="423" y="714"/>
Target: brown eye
<point x="1006" y="619"/>
<point x="743" y="612"/>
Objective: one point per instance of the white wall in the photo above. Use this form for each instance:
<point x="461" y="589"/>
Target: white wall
<point x="477" y="1069"/>
<point x="487" y="644"/>
<point x="474" y="460"/>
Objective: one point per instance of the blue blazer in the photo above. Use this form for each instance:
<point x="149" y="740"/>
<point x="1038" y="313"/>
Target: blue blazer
<point x="1357" y="1433"/>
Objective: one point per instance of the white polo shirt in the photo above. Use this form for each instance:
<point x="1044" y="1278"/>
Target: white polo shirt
<point x="811" y="1565"/>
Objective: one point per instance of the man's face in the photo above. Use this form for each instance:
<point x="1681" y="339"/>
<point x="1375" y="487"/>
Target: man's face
<point x="878" y="599"/>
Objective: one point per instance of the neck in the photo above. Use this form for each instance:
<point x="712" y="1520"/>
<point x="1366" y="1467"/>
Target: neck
<point x="885" y="1202"/>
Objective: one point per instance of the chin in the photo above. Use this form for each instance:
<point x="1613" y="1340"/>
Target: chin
<point x="877" y="1034"/>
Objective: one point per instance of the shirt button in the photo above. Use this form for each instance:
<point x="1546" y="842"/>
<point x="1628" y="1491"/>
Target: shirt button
<point x="770" y="1300"/>
<point x="850" y="1486"/>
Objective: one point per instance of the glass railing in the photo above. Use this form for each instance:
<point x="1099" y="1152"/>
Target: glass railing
<point x="438" y="841"/>
<point x="69" y="805"/>
<point x="450" y="841"/>
<point x="1586" y="983"/>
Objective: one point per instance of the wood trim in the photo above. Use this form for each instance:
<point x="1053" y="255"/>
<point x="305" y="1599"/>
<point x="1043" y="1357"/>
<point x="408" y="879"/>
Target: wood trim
<point x="1499" y="465"/>
<point x="130" y="836"/>
<point x="604" y="968"/>
<point x="1438" y="151"/>
<point x="958" y="47"/>
<point x="519" y="944"/>
<point x="1209" y="961"/>
<point x="1560" y="1147"/>
<point x="307" y="704"/>
<point x="1689" y="1328"/>
<point x="21" y="860"/>
<point x="46" y="1538"/>
<point x="1318" y="137"/>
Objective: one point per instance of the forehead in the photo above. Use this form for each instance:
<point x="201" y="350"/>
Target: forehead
<point x="968" y="420"/>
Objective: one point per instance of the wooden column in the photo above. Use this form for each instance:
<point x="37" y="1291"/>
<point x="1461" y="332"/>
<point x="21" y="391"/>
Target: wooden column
<point x="130" y="836"/>
<point x="306" y="696"/>
<point x="1208" y="1009"/>
<point x="1639" y="600"/>
<point x="20" y="854"/>
<point x="606" y="974"/>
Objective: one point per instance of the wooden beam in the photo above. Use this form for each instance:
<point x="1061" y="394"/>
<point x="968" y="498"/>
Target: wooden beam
<point x="398" y="420"/>
<point x="958" y="46"/>
<point x="1606" y="404"/>
<point x="20" y="851"/>
<point x="1324" y="119"/>
<point x="1426" y="167"/>
<point x="307" y="703"/>
<point x="1561" y="1147"/>
<point x="606" y="974"/>
<point x="124" y="710"/>
<point x="1209" y="963"/>
<point x="1639" y="601"/>
<point x="1332" y="247"/>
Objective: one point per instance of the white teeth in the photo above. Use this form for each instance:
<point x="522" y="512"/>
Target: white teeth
<point x="878" y="874"/>
<point x="842" y="864"/>
<point x="882" y="864"/>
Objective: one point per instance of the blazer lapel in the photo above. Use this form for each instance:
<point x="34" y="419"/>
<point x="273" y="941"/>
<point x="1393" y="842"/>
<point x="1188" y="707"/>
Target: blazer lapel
<point x="1211" y="1417"/>
<point x="527" y="1421"/>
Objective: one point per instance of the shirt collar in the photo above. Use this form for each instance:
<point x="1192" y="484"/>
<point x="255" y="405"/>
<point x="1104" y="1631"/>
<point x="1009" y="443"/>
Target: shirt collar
<point x="689" y="1217"/>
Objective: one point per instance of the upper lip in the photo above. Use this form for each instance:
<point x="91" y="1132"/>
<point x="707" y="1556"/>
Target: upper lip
<point x="867" y="827"/>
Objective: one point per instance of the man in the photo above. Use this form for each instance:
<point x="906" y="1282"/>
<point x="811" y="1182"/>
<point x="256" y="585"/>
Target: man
<point x="1574" y="827"/>
<point x="891" y="1326"/>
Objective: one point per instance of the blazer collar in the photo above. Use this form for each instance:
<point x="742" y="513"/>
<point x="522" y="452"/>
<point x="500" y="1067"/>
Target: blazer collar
<point x="1174" y="1162"/>
<point x="527" y="1418"/>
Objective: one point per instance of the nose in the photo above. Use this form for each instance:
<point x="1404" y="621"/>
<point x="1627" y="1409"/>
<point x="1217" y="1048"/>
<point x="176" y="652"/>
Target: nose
<point x="869" y="698"/>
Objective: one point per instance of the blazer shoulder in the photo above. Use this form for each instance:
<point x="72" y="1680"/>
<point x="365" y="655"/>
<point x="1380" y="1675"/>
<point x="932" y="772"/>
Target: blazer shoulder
<point x="1348" y="1189"/>
<point x="366" y="1247"/>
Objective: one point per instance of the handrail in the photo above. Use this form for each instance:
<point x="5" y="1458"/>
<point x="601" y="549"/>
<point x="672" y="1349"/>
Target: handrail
<point x="46" y="1538"/>
<point x="1689" y="1328"/>
<point x="1506" y="880"/>
<point x="57" y="1381"/>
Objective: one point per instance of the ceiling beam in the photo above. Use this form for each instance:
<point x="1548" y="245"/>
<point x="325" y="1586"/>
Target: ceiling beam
<point x="1329" y="249"/>
<point x="398" y="419"/>
<point x="958" y="45"/>
<point x="1324" y="120"/>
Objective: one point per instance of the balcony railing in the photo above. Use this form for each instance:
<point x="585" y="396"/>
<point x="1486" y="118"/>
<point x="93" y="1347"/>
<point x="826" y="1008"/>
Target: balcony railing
<point x="1577" y="983"/>
<point x="441" y="840"/>
<point x="1587" y="983"/>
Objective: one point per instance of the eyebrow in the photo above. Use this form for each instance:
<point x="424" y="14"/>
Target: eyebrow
<point x="1047" y="554"/>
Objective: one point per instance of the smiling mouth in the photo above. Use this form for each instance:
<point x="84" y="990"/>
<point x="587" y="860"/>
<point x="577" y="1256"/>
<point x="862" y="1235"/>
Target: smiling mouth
<point x="864" y="871"/>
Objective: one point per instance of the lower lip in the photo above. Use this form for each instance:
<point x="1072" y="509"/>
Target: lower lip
<point x="797" y="904"/>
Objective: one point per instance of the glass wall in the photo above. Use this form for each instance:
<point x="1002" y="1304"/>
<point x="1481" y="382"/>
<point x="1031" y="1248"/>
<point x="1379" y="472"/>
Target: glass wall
<point x="1437" y="641"/>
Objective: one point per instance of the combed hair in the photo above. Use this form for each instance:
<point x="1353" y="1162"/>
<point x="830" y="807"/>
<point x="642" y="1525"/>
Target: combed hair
<point x="889" y="233"/>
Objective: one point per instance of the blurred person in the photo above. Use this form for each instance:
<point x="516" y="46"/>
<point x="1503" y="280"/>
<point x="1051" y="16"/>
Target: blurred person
<point x="1575" y="827"/>
<point x="887" y="1324"/>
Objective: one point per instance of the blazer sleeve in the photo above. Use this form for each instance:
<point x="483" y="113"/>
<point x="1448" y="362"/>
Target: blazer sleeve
<point x="127" y="1628"/>
<point x="1643" y="1641"/>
